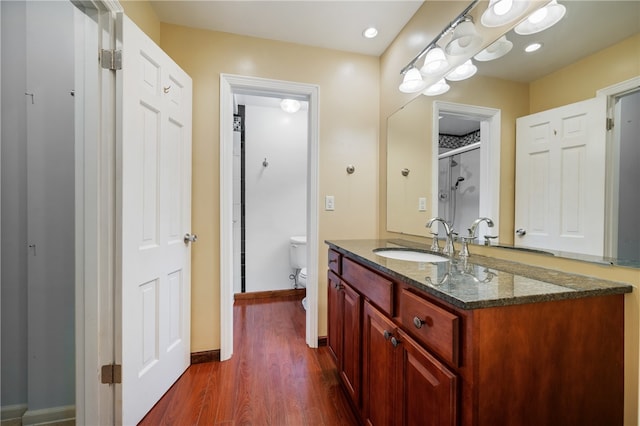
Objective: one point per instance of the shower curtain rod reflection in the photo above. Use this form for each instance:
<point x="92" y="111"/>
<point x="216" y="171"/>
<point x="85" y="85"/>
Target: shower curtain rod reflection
<point x="462" y="149"/>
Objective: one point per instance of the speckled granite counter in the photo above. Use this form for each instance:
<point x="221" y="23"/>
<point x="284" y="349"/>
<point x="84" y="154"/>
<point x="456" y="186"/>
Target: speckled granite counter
<point x="480" y="281"/>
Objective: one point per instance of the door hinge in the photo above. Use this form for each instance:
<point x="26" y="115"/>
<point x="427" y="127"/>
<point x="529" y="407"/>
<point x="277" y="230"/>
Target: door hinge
<point x="111" y="374"/>
<point x="609" y="123"/>
<point x="111" y="59"/>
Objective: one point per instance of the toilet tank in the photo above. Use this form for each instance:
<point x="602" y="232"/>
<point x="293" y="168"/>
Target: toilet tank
<point x="298" y="252"/>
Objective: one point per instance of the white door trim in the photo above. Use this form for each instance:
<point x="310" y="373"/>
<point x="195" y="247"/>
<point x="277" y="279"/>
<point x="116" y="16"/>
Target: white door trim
<point x="95" y="212"/>
<point x="489" y="154"/>
<point x="612" y="166"/>
<point x="230" y="84"/>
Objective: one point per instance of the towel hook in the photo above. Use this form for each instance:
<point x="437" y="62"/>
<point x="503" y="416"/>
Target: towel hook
<point x="265" y="163"/>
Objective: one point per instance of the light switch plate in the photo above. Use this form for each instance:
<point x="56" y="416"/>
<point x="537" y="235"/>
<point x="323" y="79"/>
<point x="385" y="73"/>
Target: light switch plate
<point x="329" y="203"/>
<point x="422" y="204"/>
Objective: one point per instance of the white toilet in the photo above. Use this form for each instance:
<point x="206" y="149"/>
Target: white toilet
<point x="298" y="261"/>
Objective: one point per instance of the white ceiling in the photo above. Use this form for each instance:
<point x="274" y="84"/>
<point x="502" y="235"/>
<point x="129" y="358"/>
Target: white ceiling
<point x="587" y="27"/>
<point x="321" y="23"/>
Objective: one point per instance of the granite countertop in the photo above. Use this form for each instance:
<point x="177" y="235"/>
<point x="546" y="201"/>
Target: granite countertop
<point x="479" y="281"/>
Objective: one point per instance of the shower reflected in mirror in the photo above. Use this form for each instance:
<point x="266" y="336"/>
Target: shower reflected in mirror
<point x="458" y="170"/>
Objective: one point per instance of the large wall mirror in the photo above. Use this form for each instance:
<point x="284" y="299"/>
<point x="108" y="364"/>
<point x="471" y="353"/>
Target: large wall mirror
<point x="435" y="162"/>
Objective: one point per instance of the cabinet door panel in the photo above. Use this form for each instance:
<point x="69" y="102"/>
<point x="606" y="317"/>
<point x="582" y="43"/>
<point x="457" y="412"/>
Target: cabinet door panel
<point x="334" y="318"/>
<point x="352" y="310"/>
<point x="379" y="368"/>
<point x="428" y="389"/>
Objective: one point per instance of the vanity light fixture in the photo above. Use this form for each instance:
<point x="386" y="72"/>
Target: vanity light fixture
<point x="437" y="89"/>
<point x="502" y="12"/>
<point x="498" y="49"/>
<point x="434" y="43"/>
<point x="370" y="32"/>
<point x="434" y="62"/>
<point x="533" y="47"/>
<point x="465" y="39"/>
<point x="290" y="105"/>
<point x="541" y="19"/>
<point x="412" y="82"/>
<point x="462" y="72"/>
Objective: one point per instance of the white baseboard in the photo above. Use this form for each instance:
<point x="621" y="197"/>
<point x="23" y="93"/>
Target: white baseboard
<point x="59" y="416"/>
<point x="12" y="412"/>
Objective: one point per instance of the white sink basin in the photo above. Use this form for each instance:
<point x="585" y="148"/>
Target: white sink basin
<point x="410" y="255"/>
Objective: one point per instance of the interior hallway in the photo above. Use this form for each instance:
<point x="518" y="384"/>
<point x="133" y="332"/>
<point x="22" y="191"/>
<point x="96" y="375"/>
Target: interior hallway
<point x="273" y="378"/>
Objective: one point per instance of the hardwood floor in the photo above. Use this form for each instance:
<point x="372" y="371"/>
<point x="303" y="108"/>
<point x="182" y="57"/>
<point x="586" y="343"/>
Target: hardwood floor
<point x="273" y="378"/>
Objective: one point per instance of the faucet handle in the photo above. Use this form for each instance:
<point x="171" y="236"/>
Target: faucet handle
<point x="435" y="247"/>
<point x="488" y="238"/>
<point x="464" y="250"/>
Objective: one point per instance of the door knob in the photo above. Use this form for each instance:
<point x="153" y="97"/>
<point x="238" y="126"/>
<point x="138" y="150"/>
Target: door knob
<point x="189" y="238"/>
<point x="520" y="232"/>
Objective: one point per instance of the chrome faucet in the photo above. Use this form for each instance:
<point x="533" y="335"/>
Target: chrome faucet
<point x="464" y="251"/>
<point x="474" y="225"/>
<point x="448" y="245"/>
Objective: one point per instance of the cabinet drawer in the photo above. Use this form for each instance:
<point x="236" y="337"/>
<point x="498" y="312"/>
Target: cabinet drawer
<point x="372" y="286"/>
<point x="334" y="261"/>
<point x="431" y="325"/>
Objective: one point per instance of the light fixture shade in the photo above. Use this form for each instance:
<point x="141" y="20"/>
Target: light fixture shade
<point x="434" y="62"/>
<point x="496" y="50"/>
<point x="465" y="40"/>
<point x="502" y="12"/>
<point x="462" y="72"/>
<point x="541" y="19"/>
<point x="437" y="88"/>
<point x="290" y="105"/>
<point x="412" y="82"/>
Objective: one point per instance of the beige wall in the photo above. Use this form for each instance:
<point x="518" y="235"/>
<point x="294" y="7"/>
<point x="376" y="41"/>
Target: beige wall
<point x="141" y="12"/>
<point x="349" y="110"/>
<point x="520" y="100"/>
<point x="580" y="80"/>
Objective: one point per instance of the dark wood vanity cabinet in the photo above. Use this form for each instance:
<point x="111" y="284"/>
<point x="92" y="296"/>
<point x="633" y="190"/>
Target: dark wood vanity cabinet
<point x="406" y="357"/>
<point x="402" y="383"/>
<point x="344" y="316"/>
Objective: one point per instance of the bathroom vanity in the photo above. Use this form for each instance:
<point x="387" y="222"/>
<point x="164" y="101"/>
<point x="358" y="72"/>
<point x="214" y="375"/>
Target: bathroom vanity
<point x="479" y="341"/>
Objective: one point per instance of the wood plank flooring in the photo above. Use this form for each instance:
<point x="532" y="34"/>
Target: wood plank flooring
<point x="273" y="378"/>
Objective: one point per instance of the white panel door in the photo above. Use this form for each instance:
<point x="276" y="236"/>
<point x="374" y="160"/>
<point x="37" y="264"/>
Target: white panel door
<point x="155" y="196"/>
<point x="560" y="178"/>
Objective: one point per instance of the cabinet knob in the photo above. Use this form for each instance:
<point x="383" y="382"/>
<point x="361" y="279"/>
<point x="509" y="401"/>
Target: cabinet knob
<point x="417" y="322"/>
<point x="395" y="342"/>
<point x="387" y="335"/>
<point x="338" y="286"/>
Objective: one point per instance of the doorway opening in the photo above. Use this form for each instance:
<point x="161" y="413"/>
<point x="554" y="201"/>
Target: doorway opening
<point x="622" y="230"/>
<point x="269" y="193"/>
<point x="458" y="170"/>
<point x="231" y="85"/>
<point x="469" y="167"/>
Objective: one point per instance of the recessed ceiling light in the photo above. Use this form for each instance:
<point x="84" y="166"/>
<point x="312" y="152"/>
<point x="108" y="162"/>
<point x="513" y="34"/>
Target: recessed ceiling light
<point x="533" y="47"/>
<point x="370" y="32"/>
